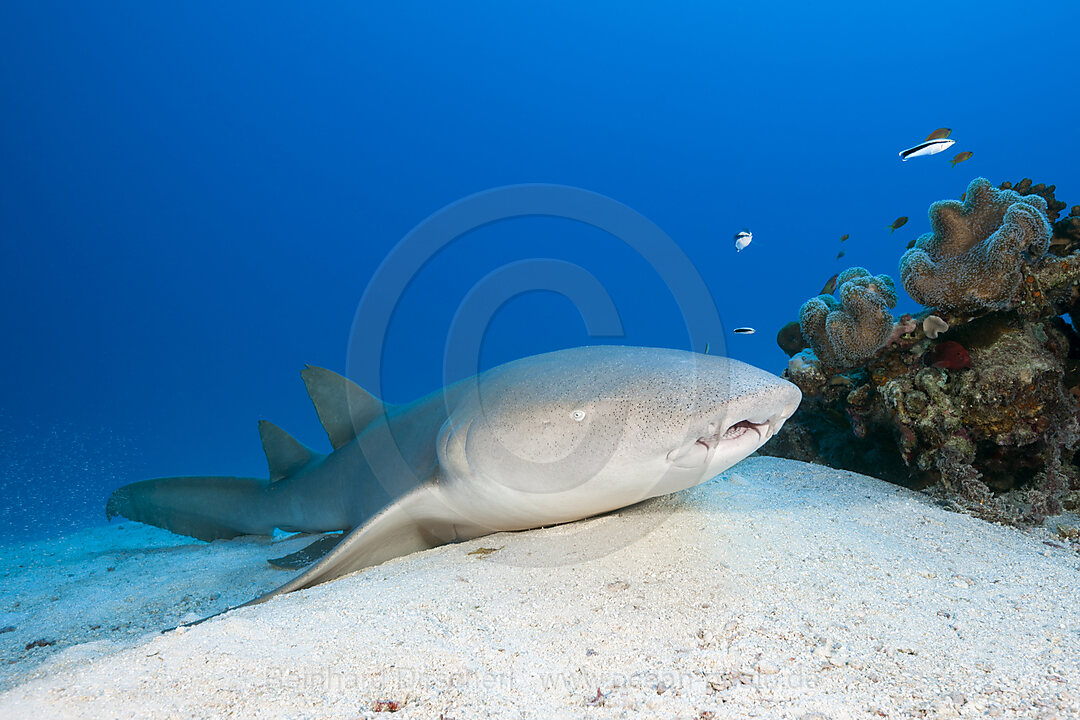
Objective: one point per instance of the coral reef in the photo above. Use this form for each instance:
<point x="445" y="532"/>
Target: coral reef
<point x="934" y="326"/>
<point x="974" y="258"/>
<point x="949" y="354"/>
<point x="790" y="338"/>
<point x="1046" y="192"/>
<point x="976" y="399"/>
<point x="1066" y="237"/>
<point x="845" y="333"/>
<point x="903" y="326"/>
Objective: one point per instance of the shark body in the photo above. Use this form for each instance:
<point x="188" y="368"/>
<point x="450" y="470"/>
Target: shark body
<point x="543" y="440"/>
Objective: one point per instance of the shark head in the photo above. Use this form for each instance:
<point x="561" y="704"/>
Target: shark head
<point x="581" y="431"/>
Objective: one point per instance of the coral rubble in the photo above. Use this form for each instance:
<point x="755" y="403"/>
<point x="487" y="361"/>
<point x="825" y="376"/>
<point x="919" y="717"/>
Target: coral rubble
<point x="976" y="397"/>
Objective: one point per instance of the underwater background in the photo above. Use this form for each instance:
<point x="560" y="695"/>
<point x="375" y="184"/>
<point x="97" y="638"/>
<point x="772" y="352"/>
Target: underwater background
<point x="194" y="196"/>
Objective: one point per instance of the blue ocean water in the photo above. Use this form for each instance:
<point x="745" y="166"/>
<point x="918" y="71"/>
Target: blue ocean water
<point x="194" y="196"/>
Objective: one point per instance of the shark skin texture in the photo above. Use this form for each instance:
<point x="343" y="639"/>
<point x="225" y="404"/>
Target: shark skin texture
<point x="546" y="439"/>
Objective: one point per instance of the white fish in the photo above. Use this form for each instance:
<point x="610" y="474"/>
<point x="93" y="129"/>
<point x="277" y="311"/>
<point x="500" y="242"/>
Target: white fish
<point x="742" y="239"/>
<point x="744" y="331"/>
<point x="930" y="147"/>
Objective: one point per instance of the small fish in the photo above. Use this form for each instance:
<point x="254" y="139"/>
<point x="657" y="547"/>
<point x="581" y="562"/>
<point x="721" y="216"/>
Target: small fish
<point x="844" y="237"/>
<point x="963" y="196"/>
<point x="706" y="348"/>
<point x="930" y="147"/>
<point x="939" y="134"/>
<point x="743" y="331"/>
<point x="829" y="286"/>
<point x="961" y="157"/>
<point x="742" y="239"/>
<point x="839" y="254"/>
<point x="950" y="355"/>
<point x="898" y="223"/>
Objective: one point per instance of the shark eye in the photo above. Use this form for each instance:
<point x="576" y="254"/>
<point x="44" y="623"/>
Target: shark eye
<point x="579" y="415"/>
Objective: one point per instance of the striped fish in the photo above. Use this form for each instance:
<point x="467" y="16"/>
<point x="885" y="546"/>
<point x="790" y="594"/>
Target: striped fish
<point x="930" y="147"/>
<point x="742" y="239"/>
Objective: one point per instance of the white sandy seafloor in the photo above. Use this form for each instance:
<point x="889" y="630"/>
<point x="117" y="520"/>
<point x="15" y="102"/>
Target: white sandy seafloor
<point x="778" y="590"/>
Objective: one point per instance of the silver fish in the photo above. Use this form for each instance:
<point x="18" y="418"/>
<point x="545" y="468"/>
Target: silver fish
<point x="743" y="331"/>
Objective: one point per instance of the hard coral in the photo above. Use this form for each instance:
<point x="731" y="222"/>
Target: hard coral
<point x="845" y="333"/>
<point x="804" y="370"/>
<point x="973" y="258"/>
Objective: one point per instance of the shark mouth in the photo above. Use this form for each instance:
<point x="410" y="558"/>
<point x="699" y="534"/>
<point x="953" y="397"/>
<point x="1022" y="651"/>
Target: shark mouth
<point x="763" y="431"/>
<point x="738" y="430"/>
<point x="701" y="451"/>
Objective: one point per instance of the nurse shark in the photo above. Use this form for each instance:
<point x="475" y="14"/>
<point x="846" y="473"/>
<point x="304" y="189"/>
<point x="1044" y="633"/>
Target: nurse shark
<point x="547" y="439"/>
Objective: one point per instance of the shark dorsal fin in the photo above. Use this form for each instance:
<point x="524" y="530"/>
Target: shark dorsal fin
<point x="284" y="453"/>
<point x="344" y="407"/>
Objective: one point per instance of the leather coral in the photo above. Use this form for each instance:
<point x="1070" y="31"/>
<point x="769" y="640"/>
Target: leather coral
<point x="973" y="258"/>
<point x="846" y="332"/>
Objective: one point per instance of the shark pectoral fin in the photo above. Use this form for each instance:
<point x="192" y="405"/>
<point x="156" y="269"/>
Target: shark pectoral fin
<point x="309" y="554"/>
<point x="417" y="521"/>
<point x="344" y="408"/>
<point x="284" y="454"/>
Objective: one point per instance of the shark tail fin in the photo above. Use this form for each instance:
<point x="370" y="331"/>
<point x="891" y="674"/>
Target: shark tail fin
<point x="207" y="508"/>
<point x="344" y="407"/>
